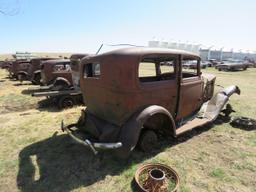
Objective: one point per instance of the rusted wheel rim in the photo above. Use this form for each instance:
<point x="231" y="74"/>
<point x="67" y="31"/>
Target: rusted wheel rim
<point x="168" y="172"/>
<point x="243" y="122"/>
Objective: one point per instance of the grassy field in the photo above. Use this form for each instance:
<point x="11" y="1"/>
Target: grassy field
<point x="36" y="156"/>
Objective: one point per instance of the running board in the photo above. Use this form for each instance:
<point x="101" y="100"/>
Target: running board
<point x="197" y="122"/>
<point x="56" y="93"/>
<point x="209" y="110"/>
<point x="39" y="88"/>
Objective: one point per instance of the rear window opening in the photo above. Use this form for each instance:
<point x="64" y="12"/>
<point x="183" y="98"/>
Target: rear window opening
<point x="92" y="70"/>
<point x="156" y="69"/>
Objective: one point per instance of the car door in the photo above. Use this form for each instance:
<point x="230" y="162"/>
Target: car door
<point x="191" y="88"/>
<point x="158" y="81"/>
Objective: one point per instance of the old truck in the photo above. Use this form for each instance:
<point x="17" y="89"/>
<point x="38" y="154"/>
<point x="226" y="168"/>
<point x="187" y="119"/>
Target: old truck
<point x="34" y="71"/>
<point x="61" y="78"/>
<point x="132" y="98"/>
<point x="56" y="72"/>
<point x="18" y="69"/>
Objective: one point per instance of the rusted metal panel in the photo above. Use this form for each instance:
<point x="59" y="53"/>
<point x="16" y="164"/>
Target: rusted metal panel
<point x="75" y="68"/>
<point x="19" y="65"/>
<point x="35" y="65"/>
<point x="117" y="93"/>
<point x="50" y="71"/>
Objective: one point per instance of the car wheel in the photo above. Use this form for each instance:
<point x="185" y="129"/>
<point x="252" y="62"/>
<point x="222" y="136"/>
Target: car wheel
<point x="147" y="140"/>
<point x="60" y="85"/>
<point x="65" y="102"/>
<point x="219" y="69"/>
<point x="37" y="79"/>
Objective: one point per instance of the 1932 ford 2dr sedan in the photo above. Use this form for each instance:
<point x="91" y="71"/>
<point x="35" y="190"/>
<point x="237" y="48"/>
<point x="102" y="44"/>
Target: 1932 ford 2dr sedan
<point x="132" y="97"/>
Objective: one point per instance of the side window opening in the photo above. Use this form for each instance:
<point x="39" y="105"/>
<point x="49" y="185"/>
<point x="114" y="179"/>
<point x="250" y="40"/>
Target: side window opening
<point x="190" y="67"/>
<point x="156" y="69"/>
<point x="92" y="70"/>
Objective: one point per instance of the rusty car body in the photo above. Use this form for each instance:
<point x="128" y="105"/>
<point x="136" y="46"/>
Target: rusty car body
<point x="19" y="69"/>
<point x="56" y="72"/>
<point x="5" y="64"/>
<point x="129" y="105"/>
<point x="65" y="92"/>
<point x="232" y="65"/>
<point x="34" y="71"/>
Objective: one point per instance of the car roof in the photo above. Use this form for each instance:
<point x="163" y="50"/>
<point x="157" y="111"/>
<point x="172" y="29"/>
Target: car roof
<point x="44" y="58"/>
<point x="140" y="51"/>
<point x="78" y="55"/>
<point x="56" y="61"/>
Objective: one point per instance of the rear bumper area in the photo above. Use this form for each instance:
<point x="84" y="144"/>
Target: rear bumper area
<point x="94" y="146"/>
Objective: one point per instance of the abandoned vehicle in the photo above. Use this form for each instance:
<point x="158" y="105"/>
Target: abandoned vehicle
<point x="64" y="94"/>
<point x="132" y="98"/>
<point x="56" y="73"/>
<point x="34" y="72"/>
<point x="19" y="69"/>
<point x="193" y="65"/>
<point x="232" y="65"/>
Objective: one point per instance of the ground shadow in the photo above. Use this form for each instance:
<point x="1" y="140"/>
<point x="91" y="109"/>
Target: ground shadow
<point x="64" y="165"/>
<point x="27" y="92"/>
<point x="20" y="84"/>
<point x="49" y="107"/>
<point x="7" y="78"/>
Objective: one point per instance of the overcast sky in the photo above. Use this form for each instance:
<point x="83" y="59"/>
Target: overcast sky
<point x="82" y="25"/>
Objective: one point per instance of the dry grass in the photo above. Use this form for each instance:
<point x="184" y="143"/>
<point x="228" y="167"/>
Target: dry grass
<point x="39" y="54"/>
<point x="36" y="156"/>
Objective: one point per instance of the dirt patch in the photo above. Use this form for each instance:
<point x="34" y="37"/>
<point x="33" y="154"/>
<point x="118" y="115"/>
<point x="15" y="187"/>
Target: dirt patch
<point x="16" y="102"/>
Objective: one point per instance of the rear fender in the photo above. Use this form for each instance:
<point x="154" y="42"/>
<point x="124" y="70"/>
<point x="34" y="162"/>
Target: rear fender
<point x="130" y="131"/>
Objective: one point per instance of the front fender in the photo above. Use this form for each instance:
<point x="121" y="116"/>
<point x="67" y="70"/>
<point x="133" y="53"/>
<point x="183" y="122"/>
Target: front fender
<point x="37" y="71"/>
<point x="130" y="131"/>
<point x="59" y="79"/>
<point x="22" y="73"/>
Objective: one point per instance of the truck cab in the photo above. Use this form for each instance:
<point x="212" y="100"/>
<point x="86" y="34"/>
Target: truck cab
<point x="34" y="72"/>
<point x="57" y="73"/>
<point x="19" y="69"/>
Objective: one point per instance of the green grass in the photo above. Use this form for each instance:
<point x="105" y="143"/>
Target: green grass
<point x="36" y="156"/>
<point x="218" y="173"/>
